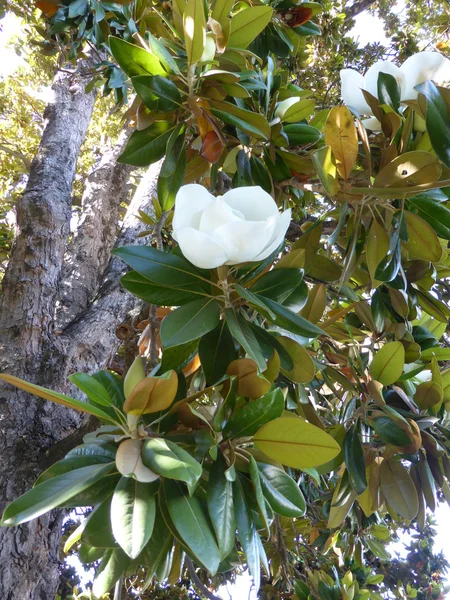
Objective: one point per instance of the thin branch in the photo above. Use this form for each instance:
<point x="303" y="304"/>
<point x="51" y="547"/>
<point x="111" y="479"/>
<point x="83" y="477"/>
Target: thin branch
<point x="17" y="154"/>
<point x="197" y="581"/>
<point x="358" y="7"/>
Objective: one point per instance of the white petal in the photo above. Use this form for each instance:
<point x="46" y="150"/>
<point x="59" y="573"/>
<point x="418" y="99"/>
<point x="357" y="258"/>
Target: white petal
<point x="243" y="240"/>
<point x="216" y="214"/>
<point x="420" y="67"/>
<point x="373" y="124"/>
<point x="277" y="236"/>
<point x="383" y="66"/>
<point x="190" y="199"/>
<point x="351" y="84"/>
<point x="200" y="249"/>
<point x="253" y="202"/>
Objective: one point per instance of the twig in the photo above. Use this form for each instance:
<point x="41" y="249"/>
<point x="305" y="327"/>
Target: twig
<point x="197" y="581"/>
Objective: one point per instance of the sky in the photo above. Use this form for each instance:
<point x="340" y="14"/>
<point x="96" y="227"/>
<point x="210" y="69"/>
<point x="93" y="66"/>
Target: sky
<point x="368" y="29"/>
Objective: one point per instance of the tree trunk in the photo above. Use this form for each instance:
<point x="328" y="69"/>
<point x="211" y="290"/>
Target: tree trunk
<point x="35" y="286"/>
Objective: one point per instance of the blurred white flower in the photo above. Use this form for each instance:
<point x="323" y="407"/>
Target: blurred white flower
<point x="243" y="225"/>
<point x="418" y="68"/>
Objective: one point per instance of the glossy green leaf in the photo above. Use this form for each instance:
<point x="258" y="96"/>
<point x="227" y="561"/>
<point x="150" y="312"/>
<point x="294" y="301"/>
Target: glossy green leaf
<point x="241" y="331"/>
<point x="98" y="530"/>
<point x="437" y="119"/>
<point x="156" y="293"/>
<point x="191" y="520"/>
<point x="398" y="488"/>
<point x="296" y="443"/>
<point x="300" y="134"/>
<point x="157" y="93"/>
<point x="388" y="362"/>
<point x="248" y="121"/>
<point x="291" y="321"/>
<point x="62" y="399"/>
<point x="281" y="491"/>
<point x="111" y="568"/>
<point x="148" y="145"/>
<point x="133" y="509"/>
<point x="278" y="284"/>
<point x="354" y="460"/>
<point x="259" y="495"/>
<point x="247" y="419"/>
<point x="189" y="322"/>
<point x="434" y="213"/>
<point x="52" y="493"/>
<point x="246" y="532"/>
<point x="216" y="351"/>
<point x="194" y="27"/>
<point x="135" y="60"/>
<point x="163" y="268"/>
<point x="247" y="24"/>
<point x="170" y="460"/>
<point x="93" y="388"/>
<point x="221" y="507"/>
<point x="389" y="432"/>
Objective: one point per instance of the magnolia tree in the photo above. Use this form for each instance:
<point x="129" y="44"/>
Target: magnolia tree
<point x="287" y="411"/>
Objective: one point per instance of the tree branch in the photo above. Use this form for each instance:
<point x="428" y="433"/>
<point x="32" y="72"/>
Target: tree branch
<point x="197" y="581"/>
<point x="90" y="250"/>
<point x="358" y="7"/>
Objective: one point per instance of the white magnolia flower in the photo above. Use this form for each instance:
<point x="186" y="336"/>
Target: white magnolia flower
<point x="421" y="67"/>
<point x="243" y="225"/>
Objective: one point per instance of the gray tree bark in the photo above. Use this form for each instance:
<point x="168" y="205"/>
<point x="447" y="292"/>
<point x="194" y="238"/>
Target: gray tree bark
<point x="36" y="284"/>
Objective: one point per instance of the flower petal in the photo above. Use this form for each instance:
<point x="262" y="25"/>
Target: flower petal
<point x="277" y="236"/>
<point x="351" y="84"/>
<point x="383" y="66"/>
<point x="424" y="66"/>
<point x="200" y="249"/>
<point x="216" y="214"/>
<point x="243" y="240"/>
<point x="190" y="199"/>
<point x="252" y="202"/>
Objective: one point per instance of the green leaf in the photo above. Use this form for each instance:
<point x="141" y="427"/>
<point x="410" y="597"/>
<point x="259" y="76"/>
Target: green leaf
<point x="98" y="531"/>
<point x="170" y="460"/>
<point x="354" y="460"/>
<point x="111" y="568"/>
<point x="387" y="365"/>
<point x="251" y="122"/>
<point x="326" y="169"/>
<point x="398" y="488"/>
<point x="422" y="241"/>
<point x="173" y="169"/>
<point x="268" y="343"/>
<point x="52" y="493"/>
<point x="189" y="322"/>
<point x="163" y="268"/>
<point x="437" y="119"/>
<point x="439" y="352"/>
<point x="241" y="331"/>
<point x="156" y="293"/>
<point x="295" y="443"/>
<point x="247" y="419"/>
<point x="194" y="27"/>
<point x="221" y="507"/>
<point x="226" y="409"/>
<point x="434" y="213"/>
<point x="388" y="90"/>
<point x="133" y="509"/>
<point x="156" y="552"/>
<point x="133" y="59"/>
<point x="278" y="284"/>
<point x="291" y="321"/>
<point x="247" y="24"/>
<point x="191" y="521"/>
<point x="389" y="432"/>
<point x="294" y="109"/>
<point x="62" y="399"/>
<point x="216" y="351"/>
<point x="147" y="146"/>
<point x="254" y="301"/>
<point x="300" y="134"/>
<point x="157" y="93"/>
<point x="303" y="369"/>
<point x="81" y="456"/>
<point x="178" y="357"/>
<point x="259" y="496"/>
<point x="246" y="531"/>
<point x="93" y="388"/>
<point x="281" y="491"/>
